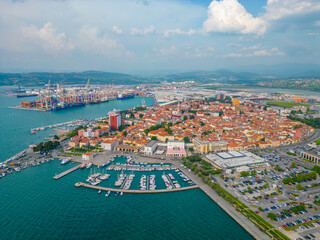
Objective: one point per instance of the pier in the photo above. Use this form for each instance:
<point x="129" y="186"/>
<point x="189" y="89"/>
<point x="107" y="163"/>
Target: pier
<point x="173" y="186"/>
<point x="80" y="184"/>
<point x="66" y="172"/>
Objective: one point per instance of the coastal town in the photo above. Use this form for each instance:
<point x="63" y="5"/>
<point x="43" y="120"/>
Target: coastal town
<point x="239" y="145"/>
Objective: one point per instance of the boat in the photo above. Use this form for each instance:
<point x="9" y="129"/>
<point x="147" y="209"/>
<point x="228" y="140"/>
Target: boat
<point x="125" y="96"/>
<point x="121" y="193"/>
<point x="107" y="193"/>
<point x="65" y="161"/>
<point x="89" y="165"/>
<point x="83" y="166"/>
<point x="99" y="191"/>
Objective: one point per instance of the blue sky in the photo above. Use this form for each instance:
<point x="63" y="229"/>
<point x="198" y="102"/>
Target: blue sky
<point x="153" y="36"/>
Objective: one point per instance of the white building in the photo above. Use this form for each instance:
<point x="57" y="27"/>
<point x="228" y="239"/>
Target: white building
<point x="109" y="144"/>
<point x="176" y="149"/>
<point x="150" y="147"/>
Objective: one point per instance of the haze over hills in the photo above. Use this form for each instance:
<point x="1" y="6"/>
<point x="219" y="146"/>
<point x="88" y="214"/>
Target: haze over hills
<point x="259" y="73"/>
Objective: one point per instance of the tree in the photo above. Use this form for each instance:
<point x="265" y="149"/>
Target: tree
<point x="170" y="124"/>
<point x="169" y="131"/>
<point x="140" y="115"/>
<point x="244" y="174"/>
<point x="191" y="117"/>
<point x="125" y="133"/>
<point x="185" y="118"/>
<point x="293" y="165"/>
<point x="186" y="139"/>
<point x="299" y="186"/>
<point x="249" y="189"/>
<point x="220" y="113"/>
<point x="56" y="137"/>
<point x="154" y="138"/>
<point x="202" y="123"/>
<point x="271" y="215"/>
<point x="253" y="173"/>
<point x="191" y="149"/>
<point x="146" y="131"/>
<point x="121" y="127"/>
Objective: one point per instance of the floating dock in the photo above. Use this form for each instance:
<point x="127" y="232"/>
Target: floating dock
<point x="80" y="184"/>
<point x="66" y="172"/>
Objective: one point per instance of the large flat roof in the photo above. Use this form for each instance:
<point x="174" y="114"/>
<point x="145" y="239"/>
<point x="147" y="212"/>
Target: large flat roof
<point x="234" y="159"/>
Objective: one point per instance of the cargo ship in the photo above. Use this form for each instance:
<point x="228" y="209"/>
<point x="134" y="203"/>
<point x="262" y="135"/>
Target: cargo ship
<point x="26" y="95"/>
<point x="65" y="106"/>
<point x="125" y="96"/>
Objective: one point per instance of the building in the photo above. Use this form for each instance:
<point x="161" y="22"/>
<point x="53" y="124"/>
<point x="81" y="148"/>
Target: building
<point x="236" y="159"/>
<point x="150" y="147"/>
<point x="109" y="144"/>
<point x="235" y="101"/>
<point x="88" y="156"/>
<point x="203" y="146"/>
<point x="126" y="148"/>
<point x="312" y="155"/>
<point x="114" y="119"/>
<point x="84" y="143"/>
<point x="176" y="149"/>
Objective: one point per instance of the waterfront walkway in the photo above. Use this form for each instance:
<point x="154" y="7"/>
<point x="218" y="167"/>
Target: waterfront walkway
<point x="80" y="184"/>
<point x="66" y="172"/>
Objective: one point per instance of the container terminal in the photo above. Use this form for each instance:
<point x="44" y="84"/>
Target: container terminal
<point x="52" y="99"/>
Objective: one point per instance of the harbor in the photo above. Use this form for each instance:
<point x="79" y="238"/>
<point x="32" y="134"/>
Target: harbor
<point x="65" y="97"/>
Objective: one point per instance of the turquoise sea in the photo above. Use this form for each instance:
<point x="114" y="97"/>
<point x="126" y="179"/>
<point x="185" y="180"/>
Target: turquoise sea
<point x="35" y="206"/>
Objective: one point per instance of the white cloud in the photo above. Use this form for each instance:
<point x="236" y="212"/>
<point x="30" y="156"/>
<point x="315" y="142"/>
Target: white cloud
<point x="178" y="31"/>
<point x="277" y="9"/>
<point x="91" y="40"/>
<point x="167" y="51"/>
<point x="231" y="16"/>
<point x="317" y="24"/>
<point x="144" y="31"/>
<point x="257" y="53"/>
<point x="116" y="30"/>
<point x="47" y="37"/>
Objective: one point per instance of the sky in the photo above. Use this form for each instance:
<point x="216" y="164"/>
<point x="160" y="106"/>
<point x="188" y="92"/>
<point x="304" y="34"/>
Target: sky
<point x="156" y="36"/>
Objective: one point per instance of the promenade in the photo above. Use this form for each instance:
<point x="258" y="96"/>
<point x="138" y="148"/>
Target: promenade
<point x="80" y="184"/>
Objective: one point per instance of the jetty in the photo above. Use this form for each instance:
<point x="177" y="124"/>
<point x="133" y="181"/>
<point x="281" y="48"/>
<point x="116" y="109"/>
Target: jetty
<point x="80" y="184"/>
<point x="66" y="172"/>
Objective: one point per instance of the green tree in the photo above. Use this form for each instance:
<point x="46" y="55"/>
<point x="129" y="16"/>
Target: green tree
<point x="169" y="131"/>
<point x="141" y="115"/>
<point x="299" y="186"/>
<point x="244" y="174"/>
<point x="121" y="127"/>
<point x="154" y="138"/>
<point x="191" y="117"/>
<point x="191" y="149"/>
<point x="293" y="165"/>
<point x="56" y="137"/>
<point x="125" y="133"/>
<point x="186" y="139"/>
<point x="271" y="215"/>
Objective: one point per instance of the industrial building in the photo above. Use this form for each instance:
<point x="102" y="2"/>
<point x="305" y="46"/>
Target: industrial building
<point x="235" y="159"/>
